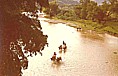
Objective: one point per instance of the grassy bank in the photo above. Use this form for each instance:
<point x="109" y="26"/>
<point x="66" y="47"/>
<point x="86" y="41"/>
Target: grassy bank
<point x="109" y="27"/>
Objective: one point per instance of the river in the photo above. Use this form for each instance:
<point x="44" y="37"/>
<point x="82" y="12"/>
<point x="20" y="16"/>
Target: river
<point x="84" y="56"/>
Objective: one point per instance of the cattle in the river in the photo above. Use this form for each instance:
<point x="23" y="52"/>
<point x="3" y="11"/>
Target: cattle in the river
<point x="54" y="58"/>
<point x="62" y="47"/>
<point x="58" y="59"/>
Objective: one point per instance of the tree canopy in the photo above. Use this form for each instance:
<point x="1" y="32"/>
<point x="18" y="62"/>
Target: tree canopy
<point x="17" y="30"/>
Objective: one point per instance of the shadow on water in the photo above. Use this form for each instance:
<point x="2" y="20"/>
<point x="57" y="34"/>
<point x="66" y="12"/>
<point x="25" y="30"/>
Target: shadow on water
<point x="57" y="64"/>
<point x="62" y="51"/>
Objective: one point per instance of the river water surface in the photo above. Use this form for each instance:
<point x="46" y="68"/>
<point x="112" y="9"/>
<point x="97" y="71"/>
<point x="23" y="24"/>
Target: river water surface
<point x="84" y="56"/>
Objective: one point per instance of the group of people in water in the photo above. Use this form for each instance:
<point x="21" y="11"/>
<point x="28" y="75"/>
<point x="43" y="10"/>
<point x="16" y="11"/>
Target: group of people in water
<point x="61" y="48"/>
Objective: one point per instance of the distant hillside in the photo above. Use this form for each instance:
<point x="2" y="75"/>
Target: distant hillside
<point x="98" y="1"/>
<point x="74" y="2"/>
<point x="61" y="2"/>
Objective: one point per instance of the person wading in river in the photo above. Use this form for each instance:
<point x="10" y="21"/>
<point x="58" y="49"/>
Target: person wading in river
<point x="54" y="56"/>
<point x="64" y="45"/>
<point x="60" y="47"/>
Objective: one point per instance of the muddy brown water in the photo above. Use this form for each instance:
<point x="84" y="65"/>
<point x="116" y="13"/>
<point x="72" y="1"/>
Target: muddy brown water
<point x="84" y="56"/>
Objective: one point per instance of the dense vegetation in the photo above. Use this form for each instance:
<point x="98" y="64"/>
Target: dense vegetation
<point x="102" y="17"/>
<point x="17" y="30"/>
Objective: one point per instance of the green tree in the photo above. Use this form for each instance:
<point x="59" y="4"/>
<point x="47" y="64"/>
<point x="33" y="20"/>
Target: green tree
<point x="83" y="4"/>
<point x="83" y="14"/>
<point x="100" y="15"/>
<point x="69" y="15"/>
<point x="15" y="28"/>
<point x="54" y="10"/>
<point x="112" y="2"/>
<point x="110" y="9"/>
<point x="105" y="6"/>
<point x="91" y="10"/>
<point x="113" y="11"/>
<point x="77" y="10"/>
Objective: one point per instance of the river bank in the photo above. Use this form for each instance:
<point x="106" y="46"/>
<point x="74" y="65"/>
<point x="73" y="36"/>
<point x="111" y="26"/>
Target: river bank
<point x="87" y="26"/>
